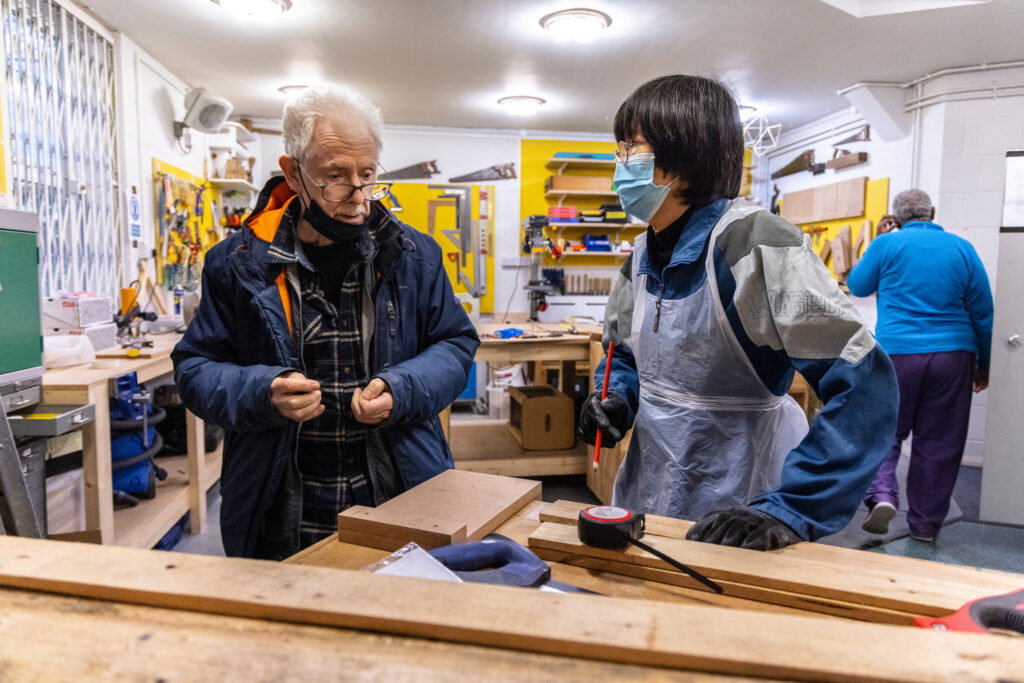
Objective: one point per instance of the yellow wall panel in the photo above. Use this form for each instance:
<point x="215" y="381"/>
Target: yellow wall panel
<point x="415" y="198"/>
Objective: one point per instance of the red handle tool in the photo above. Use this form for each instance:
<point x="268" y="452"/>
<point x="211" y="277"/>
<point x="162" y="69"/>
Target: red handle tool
<point x="604" y="395"/>
<point x="1004" y="612"/>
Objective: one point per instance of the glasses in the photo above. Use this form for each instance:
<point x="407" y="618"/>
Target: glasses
<point x="624" y="150"/>
<point x="342" y="192"/>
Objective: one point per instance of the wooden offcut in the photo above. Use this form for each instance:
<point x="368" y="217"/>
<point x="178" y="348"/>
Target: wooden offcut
<point x="571" y="625"/>
<point x="828" y="202"/>
<point x="841" y="250"/>
<point x="453" y="507"/>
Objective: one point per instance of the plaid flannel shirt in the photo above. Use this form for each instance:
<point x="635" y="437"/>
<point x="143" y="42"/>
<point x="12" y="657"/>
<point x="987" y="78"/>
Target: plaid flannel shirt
<point x="332" y="447"/>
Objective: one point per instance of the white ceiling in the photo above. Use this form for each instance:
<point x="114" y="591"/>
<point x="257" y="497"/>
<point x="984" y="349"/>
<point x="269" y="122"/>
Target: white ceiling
<point x="446" y="62"/>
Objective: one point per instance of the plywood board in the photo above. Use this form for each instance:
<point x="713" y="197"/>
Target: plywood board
<point x="844" y="199"/>
<point x="571" y="625"/>
<point x="915" y="592"/>
<point x="453" y="507"/>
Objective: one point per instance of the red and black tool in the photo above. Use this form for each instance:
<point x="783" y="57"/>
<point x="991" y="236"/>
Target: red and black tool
<point x="1003" y="612"/>
<point x="614" y="528"/>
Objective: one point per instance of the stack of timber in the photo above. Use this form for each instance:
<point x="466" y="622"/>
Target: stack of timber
<point x="575" y="626"/>
<point x="809" y="576"/>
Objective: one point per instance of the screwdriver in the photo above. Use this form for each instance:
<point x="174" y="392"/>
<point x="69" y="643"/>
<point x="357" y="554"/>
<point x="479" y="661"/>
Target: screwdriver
<point x="604" y="395"/>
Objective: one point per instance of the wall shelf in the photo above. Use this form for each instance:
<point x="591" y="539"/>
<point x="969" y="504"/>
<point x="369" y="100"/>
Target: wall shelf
<point x="236" y="184"/>
<point x="594" y="254"/>
<point x="617" y="228"/>
<point x="561" y="195"/>
<point x="559" y="165"/>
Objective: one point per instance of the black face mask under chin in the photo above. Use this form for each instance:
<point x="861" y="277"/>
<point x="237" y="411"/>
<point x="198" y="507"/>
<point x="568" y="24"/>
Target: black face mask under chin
<point x="331" y="228"/>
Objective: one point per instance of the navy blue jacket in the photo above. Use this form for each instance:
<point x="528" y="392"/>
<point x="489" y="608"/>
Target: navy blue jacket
<point x="422" y="345"/>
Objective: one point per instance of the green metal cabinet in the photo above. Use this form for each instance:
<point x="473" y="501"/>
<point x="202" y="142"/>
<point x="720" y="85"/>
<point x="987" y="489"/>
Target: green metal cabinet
<point x="21" y="339"/>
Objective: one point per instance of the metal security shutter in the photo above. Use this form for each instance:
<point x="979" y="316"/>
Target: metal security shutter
<point x="61" y="128"/>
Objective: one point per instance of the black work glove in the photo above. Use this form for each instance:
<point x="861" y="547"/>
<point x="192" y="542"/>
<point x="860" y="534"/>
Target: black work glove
<point x="610" y="416"/>
<point x="743" y="528"/>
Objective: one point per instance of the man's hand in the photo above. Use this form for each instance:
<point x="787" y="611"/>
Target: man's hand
<point x="980" y="380"/>
<point x="608" y="416"/>
<point x="295" y="397"/>
<point x="886" y="223"/>
<point x="372" y="405"/>
<point x="743" y="528"/>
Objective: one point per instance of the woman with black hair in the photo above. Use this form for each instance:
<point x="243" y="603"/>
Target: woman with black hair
<point x="718" y="305"/>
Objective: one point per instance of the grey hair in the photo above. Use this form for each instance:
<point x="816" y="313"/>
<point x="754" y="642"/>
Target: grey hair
<point x="912" y="205"/>
<point x="334" y="103"/>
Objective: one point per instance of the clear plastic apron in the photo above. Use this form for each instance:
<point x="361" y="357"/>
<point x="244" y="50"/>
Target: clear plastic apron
<point x="708" y="433"/>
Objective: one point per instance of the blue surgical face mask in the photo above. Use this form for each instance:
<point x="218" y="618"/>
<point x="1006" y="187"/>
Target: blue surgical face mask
<point x="634" y="183"/>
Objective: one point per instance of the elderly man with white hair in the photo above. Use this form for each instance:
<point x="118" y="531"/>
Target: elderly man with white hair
<point x="935" y="322"/>
<point x="326" y="342"/>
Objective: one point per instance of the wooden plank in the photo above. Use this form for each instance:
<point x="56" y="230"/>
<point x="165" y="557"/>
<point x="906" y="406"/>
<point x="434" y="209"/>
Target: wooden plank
<point x="571" y="625"/>
<point x="804" y="604"/>
<point x="59" y="638"/>
<point x="96" y="467"/>
<point x="359" y="524"/>
<point x="461" y="506"/>
<point x="850" y="197"/>
<point x="987" y="581"/>
<point x="835" y="201"/>
<point x="841" y="252"/>
<point x="913" y="592"/>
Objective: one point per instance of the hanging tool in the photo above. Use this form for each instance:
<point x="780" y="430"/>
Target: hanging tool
<point x="615" y="528"/>
<point x="604" y="395"/>
<point x="1003" y="612"/>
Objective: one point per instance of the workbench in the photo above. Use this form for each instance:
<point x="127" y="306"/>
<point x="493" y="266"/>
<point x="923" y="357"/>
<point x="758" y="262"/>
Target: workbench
<point x="189" y="476"/>
<point x="77" y="611"/>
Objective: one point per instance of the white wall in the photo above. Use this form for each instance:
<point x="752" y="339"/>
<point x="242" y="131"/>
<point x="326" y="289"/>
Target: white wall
<point x="150" y="98"/>
<point x="954" y="151"/>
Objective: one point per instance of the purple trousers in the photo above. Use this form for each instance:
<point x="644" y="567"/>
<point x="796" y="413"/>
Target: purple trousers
<point x="935" y="404"/>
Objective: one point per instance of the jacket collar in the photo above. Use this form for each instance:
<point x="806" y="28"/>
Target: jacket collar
<point x="272" y="222"/>
<point x="921" y="225"/>
<point x="693" y="238"/>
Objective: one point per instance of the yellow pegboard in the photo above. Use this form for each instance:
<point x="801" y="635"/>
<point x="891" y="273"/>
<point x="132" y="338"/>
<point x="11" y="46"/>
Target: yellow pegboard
<point x="179" y="189"/>
<point x="418" y="201"/>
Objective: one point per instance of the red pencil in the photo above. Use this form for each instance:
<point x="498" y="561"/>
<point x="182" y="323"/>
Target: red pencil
<point x="604" y="395"/>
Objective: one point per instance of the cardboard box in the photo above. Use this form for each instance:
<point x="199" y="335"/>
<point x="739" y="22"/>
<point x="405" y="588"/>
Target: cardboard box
<point x="581" y="183"/>
<point x="541" y="418"/>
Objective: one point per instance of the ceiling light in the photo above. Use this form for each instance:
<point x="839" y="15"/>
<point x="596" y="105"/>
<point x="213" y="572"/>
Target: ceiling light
<point x="746" y="111"/>
<point x="255" y="9"/>
<point x="521" y="105"/>
<point x="759" y="135"/>
<point x="575" y="25"/>
<point x="291" y="89"/>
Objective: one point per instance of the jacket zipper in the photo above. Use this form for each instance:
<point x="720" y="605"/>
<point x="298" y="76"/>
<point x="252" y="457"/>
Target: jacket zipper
<point x="657" y="306"/>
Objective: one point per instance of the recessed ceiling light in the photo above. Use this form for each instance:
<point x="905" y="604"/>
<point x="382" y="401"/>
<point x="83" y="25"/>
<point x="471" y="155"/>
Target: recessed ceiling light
<point x="521" y="105"/>
<point x="576" y="25"/>
<point x="291" y="89"/>
<point x="255" y="9"/>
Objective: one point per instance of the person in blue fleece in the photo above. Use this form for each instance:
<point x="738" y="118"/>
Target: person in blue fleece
<point x="718" y="305"/>
<point x="935" y="321"/>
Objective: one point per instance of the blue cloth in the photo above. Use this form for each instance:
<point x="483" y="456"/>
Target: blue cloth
<point x="824" y="478"/>
<point x="933" y="292"/>
<point x="423" y="345"/>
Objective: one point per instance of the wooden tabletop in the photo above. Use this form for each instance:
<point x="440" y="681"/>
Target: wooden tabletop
<point x="86" y="375"/>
